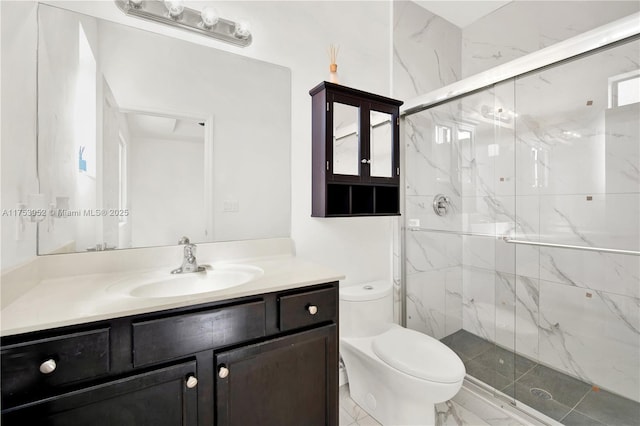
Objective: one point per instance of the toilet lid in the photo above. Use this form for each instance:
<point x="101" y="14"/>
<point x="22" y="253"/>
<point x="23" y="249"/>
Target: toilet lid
<point x="419" y="355"/>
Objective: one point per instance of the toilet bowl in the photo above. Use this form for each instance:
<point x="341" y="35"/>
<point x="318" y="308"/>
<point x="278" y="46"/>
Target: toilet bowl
<point x="395" y="374"/>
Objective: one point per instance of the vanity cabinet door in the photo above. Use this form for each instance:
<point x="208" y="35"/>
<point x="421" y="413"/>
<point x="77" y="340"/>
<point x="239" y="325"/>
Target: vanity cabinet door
<point x="291" y="380"/>
<point x="160" y="397"/>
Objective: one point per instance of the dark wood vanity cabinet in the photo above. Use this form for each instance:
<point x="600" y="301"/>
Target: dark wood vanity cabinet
<point x="283" y="381"/>
<point x="355" y="152"/>
<point x="157" y="397"/>
<point x="267" y="359"/>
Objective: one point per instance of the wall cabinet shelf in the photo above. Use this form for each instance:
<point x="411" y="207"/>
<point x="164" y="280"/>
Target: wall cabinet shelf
<point x="356" y="152"/>
<point x="263" y="359"/>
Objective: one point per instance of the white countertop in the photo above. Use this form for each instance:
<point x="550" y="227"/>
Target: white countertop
<point x="62" y="301"/>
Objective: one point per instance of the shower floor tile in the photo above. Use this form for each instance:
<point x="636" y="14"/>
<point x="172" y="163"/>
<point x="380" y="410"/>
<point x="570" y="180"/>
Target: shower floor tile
<point x="551" y="408"/>
<point x="572" y="401"/>
<point x="503" y="361"/>
<point x="609" y="408"/>
<point x="487" y="374"/>
<point x="576" y="419"/>
<point x="467" y="345"/>
<point x="564" y="389"/>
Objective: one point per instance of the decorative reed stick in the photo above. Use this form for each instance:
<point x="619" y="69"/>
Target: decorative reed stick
<point x="333" y="67"/>
<point x="333" y="53"/>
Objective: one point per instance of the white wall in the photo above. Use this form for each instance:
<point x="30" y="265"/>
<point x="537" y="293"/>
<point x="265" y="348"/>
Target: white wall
<point x="358" y="247"/>
<point x="62" y="102"/>
<point x="18" y="124"/>
<point x="166" y="175"/>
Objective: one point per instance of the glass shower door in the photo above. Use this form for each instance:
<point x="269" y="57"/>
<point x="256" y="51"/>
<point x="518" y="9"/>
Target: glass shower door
<point x="578" y="199"/>
<point x="522" y="237"/>
<point x="459" y="176"/>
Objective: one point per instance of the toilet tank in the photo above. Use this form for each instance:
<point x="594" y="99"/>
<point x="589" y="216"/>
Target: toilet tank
<point x="366" y="309"/>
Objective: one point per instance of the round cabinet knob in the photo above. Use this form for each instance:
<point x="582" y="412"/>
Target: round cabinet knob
<point x="223" y="372"/>
<point x="192" y="382"/>
<point x="48" y="367"/>
<point x="312" y="309"/>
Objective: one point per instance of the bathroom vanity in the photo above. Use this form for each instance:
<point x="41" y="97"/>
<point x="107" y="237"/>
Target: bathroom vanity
<point x="261" y="357"/>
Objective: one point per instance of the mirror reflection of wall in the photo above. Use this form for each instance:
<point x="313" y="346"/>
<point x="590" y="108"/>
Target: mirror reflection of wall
<point x="381" y="149"/>
<point x="166" y="171"/>
<point x="119" y="164"/>
<point x="346" y="139"/>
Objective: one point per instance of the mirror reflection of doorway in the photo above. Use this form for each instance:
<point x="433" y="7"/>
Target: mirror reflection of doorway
<point x="166" y="178"/>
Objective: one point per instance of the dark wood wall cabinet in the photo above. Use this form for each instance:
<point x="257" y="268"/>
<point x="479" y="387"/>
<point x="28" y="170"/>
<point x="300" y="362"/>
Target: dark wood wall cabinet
<point x="356" y="152"/>
<point x="269" y="359"/>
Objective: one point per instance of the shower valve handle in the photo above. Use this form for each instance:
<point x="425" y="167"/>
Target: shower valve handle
<point x="441" y="204"/>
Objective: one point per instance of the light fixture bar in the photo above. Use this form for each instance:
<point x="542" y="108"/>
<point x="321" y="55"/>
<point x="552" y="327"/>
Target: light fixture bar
<point x="189" y="19"/>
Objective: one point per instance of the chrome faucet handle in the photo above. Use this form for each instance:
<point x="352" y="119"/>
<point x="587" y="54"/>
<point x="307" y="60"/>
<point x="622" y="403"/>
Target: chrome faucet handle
<point x="190" y="253"/>
<point x="189" y="261"/>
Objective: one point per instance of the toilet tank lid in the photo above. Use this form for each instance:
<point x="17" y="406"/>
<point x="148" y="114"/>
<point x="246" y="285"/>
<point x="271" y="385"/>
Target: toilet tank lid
<point x="366" y="291"/>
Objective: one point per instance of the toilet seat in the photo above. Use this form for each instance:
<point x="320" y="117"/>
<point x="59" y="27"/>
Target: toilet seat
<point x="419" y="355"/>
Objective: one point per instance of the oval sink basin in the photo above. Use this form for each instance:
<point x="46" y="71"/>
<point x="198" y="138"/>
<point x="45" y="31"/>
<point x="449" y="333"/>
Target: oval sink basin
<point x="166" y="285"/>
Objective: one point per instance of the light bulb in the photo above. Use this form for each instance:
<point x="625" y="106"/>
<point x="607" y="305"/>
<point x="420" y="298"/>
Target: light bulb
<point x="136" y="4"/>
<point x="242" y="29"/>
<point x="209" y="16"/>
<point x="175" y="7"/>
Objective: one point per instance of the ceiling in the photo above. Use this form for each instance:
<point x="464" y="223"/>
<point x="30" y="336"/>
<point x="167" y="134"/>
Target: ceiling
<point x="461" y="12"/>
<point x="166" y="128"/>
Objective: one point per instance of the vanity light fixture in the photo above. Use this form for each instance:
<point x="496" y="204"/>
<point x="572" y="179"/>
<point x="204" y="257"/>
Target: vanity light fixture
<point x="174" y="13"/>
<point x="210" y="17"/>
<point x="242" y="29"/>
<point x="174" y="7"/>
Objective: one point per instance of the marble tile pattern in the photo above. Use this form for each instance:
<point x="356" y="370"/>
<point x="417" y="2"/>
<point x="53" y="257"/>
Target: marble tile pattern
<point x="351" y="414"/>
<point x="563" y="167"/>
<point x="426" y="56"/>
<point x="519" y="28"/>
<point x="426" y="50"/>
<point x="465" y="409"/>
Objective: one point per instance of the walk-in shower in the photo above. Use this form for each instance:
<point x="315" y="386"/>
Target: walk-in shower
<point x="521" y="236"/>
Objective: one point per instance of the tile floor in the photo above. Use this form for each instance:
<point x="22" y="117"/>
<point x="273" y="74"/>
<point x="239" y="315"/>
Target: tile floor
<point x="466" y="409"/>
<point x="351" y="413"/>
<point x="569" y="400"/>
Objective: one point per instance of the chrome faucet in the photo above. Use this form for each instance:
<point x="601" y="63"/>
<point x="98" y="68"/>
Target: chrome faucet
<point x="189" y="262"/>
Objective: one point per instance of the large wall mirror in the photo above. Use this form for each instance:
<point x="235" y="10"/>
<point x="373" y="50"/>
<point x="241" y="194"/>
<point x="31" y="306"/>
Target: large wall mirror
<point x="144" y="138"/>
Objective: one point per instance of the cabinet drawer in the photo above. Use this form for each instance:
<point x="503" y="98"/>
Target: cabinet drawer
<point x="75" y="357"/>
<point x="180" y="335"/>
<point x="308" y="308"/>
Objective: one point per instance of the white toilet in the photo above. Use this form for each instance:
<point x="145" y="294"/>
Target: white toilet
<point x="395" y="374"/>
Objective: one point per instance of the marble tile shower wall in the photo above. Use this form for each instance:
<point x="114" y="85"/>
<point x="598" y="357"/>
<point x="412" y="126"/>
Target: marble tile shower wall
<point x="578" y="162"/>
<point x="523" y="27"/>
<point x="549" y="160"/>
<point x="426" y="56"/>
